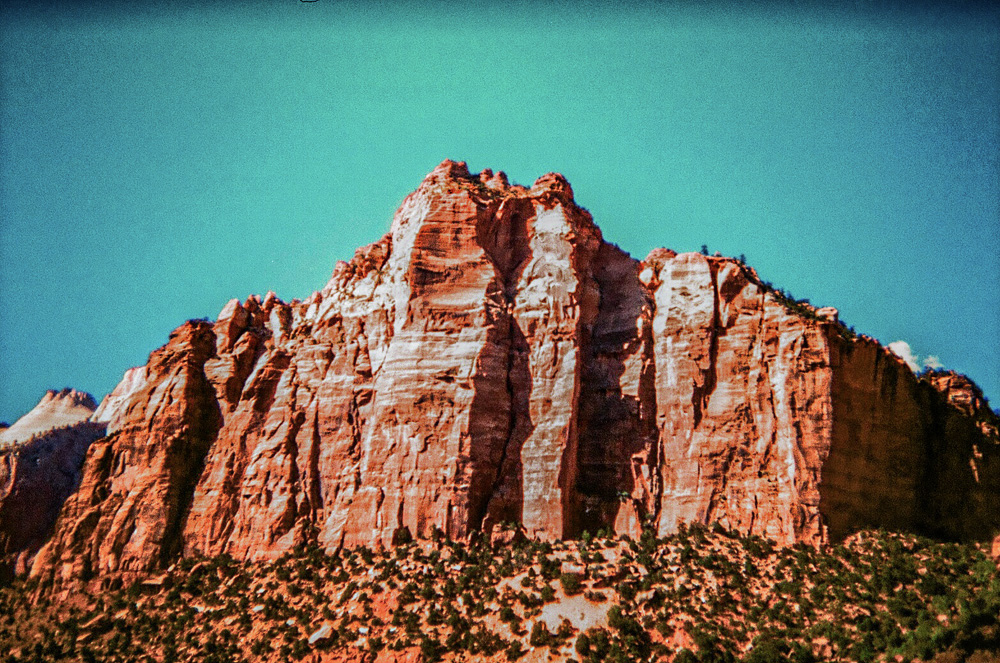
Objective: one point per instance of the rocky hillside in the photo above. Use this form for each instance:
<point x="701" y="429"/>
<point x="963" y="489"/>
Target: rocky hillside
<point x="700" y="595"/>
<point x="492" y="360"/>
<point x="40" y="464"/>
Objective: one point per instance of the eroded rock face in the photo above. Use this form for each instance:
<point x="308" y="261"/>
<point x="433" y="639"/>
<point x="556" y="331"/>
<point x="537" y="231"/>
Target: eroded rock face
<point x="36" y="477"/>
<point x="136" y="485"/>
<point x="493" y="360"/>
<point x="741" y="400"/>
<point x="40" y="466"/>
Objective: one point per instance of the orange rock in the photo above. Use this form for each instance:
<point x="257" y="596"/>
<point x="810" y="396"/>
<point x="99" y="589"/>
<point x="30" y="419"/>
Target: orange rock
<point x="136" y="484"/>
<point x="491" y="361"/>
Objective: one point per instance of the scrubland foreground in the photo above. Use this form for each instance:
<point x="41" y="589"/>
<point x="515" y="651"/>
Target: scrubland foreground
<point x="699" y="595"/>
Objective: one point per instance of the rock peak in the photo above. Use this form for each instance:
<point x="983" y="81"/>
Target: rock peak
<point x="548" y="189"/>
<point x="112" y="409"/>
<point x="450" y="170"/>
<point x="56" y="409"/>
<point x="71" y="396"/>
<point x="553" y="183"/>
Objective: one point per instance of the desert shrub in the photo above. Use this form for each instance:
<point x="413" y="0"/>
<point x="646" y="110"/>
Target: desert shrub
<point x="633" y="635"/>
<point x="540" y="635"/>
<point x="768" y="649"/>
<point x="570" y="583"/>
<point x="514" y="651"/>
<point x="686" y="656"/>
<point x="550" y="568"/>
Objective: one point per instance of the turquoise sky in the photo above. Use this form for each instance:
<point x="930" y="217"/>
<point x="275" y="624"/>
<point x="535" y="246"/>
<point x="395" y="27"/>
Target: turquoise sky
<point x="158" y="160"/>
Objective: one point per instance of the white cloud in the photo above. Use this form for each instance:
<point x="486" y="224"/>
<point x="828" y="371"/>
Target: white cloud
<point x="932" y="362"/>
<point x="902" y="350"/>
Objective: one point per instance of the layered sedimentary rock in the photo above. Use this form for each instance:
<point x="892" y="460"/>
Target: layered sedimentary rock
<point x="39" y="468"/>
<point x="129" y="509"/>
<point x="493" y="360"/>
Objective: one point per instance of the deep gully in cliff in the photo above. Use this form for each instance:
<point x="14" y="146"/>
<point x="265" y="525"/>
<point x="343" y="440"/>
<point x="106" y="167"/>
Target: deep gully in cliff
<point x="503" y="471"/>
<point x="508" y="261"/>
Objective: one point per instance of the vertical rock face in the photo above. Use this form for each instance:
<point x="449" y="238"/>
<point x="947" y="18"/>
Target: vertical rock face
<point x="554" y="309"/>
<point x="909" y="454"/>
<point x="742" y="401"/>
<point x="493" y="360"/>
<point x="128" y="512"/>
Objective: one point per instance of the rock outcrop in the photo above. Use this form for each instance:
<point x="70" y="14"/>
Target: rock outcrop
<point x="113" y="408"/>
<point x="55" y="410"/>
<point x="136" y="487"/>
<point x="493" y="360"/>
<point x="39" y="468"/>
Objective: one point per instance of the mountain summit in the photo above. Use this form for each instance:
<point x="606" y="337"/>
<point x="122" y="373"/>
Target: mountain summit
<point x="493" y="362"/>
<point x="56" y="410"/>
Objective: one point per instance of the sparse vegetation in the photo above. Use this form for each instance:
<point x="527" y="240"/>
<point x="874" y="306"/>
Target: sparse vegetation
<point x="801" y="307"/>
<point x="699" y="595"/>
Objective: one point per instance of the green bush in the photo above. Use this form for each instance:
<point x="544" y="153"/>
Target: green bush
<point x="570" y="583"/>
<point x="540" y="635"/>
<point x="515" y="650"/>
<point x="430" y="650"/>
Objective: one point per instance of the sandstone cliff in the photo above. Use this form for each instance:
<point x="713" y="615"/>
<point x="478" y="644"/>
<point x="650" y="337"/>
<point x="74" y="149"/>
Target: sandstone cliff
<point x="39" y="468"/>
<point x="113" y="408"/>
<point x="493" y="360"/>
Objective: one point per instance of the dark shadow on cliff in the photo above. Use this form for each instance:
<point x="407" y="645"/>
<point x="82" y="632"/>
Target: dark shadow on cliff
<point x="616" y="432"/>
<point x="961" y="473"/>
<point x="904" y="458"/>
<point x="499" y="424"/>
<point x="186" y="456"/>
<point x="41" y="474"/>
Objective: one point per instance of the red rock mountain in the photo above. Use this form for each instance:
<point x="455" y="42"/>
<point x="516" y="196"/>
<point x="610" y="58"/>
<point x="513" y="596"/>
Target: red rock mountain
<point x="493" y="360"/>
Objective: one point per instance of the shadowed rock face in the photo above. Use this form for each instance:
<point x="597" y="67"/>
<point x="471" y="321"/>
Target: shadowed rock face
<point x="493" y="360"/>
<point x="909" y="454"/>
<point x="40" y="466"/>
<point x="36" y="477"/>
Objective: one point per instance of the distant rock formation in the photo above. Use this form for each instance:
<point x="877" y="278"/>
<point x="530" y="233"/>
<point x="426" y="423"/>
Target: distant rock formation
<point x="493" y="360"/>
<point x="39" y="467"/>
<point x="55" y="410"/>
